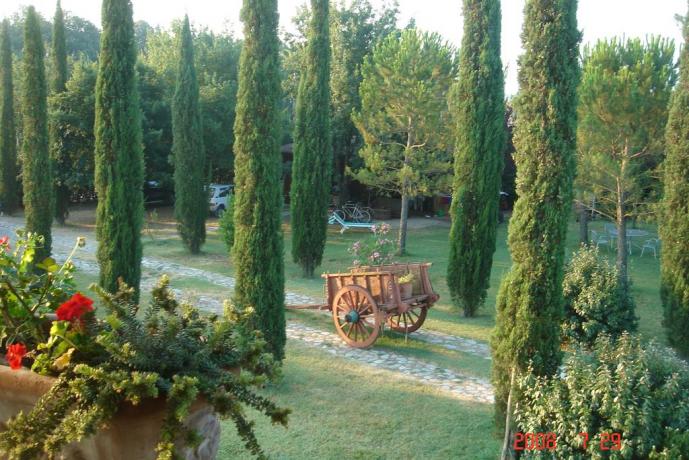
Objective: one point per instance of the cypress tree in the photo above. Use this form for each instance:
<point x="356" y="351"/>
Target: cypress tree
<point x="119" y="167"/>
<point x="479" y="110"/>
<point x="258" y="247"/>
<point x="530" y="304"/>
<point x="9" y="187"/>
<point x="61" y="164"/>
<point x="311" y="169"/>
<point x="191" y="202"/>
<point x="674" y="225"/>
<point x="59" y="52"/>
<point x="36" y="168"/>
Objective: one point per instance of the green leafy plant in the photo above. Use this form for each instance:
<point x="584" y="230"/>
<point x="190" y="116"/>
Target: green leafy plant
<point x="595" y="303"/>
<point x="226" y="224"/>
<point x="408" y="278"/>
<point x="125" y="355"/>
<point x="621" y="387"/>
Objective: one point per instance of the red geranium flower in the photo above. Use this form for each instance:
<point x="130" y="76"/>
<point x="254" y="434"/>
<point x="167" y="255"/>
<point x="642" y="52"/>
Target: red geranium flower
<point x="74" y="308"/>
<point x="15" y="353"/>
<point x="5" y="243"/>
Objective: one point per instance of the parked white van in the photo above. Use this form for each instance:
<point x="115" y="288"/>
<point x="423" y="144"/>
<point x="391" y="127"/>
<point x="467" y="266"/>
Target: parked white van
<point x="219" y="195"/>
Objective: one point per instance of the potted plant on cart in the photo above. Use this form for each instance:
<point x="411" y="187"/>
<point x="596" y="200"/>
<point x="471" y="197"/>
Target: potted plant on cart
<point x="406" y="283"/>
<point x="130" y="382"/>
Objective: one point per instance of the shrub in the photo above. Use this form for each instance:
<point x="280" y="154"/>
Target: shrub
<point x="594" y="302"/>
<point x="620" y="386"/>
<point x="226" y="224"/>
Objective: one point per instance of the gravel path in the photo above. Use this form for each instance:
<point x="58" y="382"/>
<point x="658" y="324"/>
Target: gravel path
<point x="458" y="385"/>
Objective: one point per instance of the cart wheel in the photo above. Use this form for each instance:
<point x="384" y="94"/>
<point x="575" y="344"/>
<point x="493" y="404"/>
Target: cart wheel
<point x="409" y="321"/>
<point x="355" y="315"/>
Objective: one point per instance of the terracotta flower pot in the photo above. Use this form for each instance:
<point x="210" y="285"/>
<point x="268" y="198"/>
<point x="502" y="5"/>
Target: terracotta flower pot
<point x="132" y="434"/>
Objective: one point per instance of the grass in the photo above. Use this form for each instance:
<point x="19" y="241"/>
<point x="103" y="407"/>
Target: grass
<point x="428" y="244"/>
<point x="346" y="410"/>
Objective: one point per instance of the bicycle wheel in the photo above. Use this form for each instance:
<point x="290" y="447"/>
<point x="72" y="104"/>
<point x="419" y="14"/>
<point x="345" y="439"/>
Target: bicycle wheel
<point x="367" y="215"/>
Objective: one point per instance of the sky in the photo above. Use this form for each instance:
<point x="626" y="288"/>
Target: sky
<point x="597" y="18"/>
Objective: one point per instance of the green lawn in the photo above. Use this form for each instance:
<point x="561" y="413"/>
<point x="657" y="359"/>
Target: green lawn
<point x="429" y="244"/>
<point x="346" y="410"/>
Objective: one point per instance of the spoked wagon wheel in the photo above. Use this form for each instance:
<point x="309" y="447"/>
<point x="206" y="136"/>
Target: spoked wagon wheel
<point x="355" y="315"/>
<point x="409" y="321"/>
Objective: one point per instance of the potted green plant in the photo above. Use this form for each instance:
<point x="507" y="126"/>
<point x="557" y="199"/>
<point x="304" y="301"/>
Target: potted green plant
<point x="406" y="283"/>
<point x="129" y="382"/>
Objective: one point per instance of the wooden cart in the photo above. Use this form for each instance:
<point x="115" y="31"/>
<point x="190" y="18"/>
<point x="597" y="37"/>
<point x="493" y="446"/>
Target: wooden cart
<point x="365" y="299"/>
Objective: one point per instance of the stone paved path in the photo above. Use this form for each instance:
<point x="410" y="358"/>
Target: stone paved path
<point x="456" y="384"/>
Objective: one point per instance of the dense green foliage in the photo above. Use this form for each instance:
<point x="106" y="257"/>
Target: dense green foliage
<point x="156" y="126"/>
<point x="624" y="94"/>
<point x="58" y="84"/>
<point x="216" y="60"/>
<point x="226" y="224"/>
<point x="130" y="355"/>
<point x="119" y="169"/>
<point x="674" y="221"/>
<point x="36" y="168"/>
<point x="191" y="200"/>
<point x="9" y="186"/>
<point x="621" y="387"/>
<point x="81" y="36"/>
<point x="529" y="304"/>
<point x="312" y="165"/>
<point x="404" y="118"/>
<point x="72" y="114"/>
<point x="355" y="28"/>
<point x="258" y="245"/>
<point x="594" y="302"/>
<point x="479" y="111"/>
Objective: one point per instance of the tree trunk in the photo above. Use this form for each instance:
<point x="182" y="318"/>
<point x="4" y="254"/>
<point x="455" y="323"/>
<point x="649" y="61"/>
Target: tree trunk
<point x="583" y="223"/>
<point x="402" y="238"/>
<point x="622" y="226"/>
<point x="507" y="443"/>
<point x="621" y="242"/>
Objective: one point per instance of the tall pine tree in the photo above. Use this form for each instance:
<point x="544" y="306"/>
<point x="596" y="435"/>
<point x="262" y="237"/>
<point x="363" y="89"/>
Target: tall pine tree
<point x="191" y="201"/>
<point x="311" y="169"/>
<point x="9" y="186"/>
<point x="530" y="305"/>
<point x="479" y="111"/>
<point x="58" y="81"/>
<point x="258" y="247"/>
<point x="36" y="168"/>
<point x="674" y="224"/>
<point x="119" y="168"/>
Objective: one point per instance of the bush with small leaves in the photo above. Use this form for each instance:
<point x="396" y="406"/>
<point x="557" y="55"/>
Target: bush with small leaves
<point x="226" y="224"/>
<point x="620" y="388"/>
<point x="594" y="302"/>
